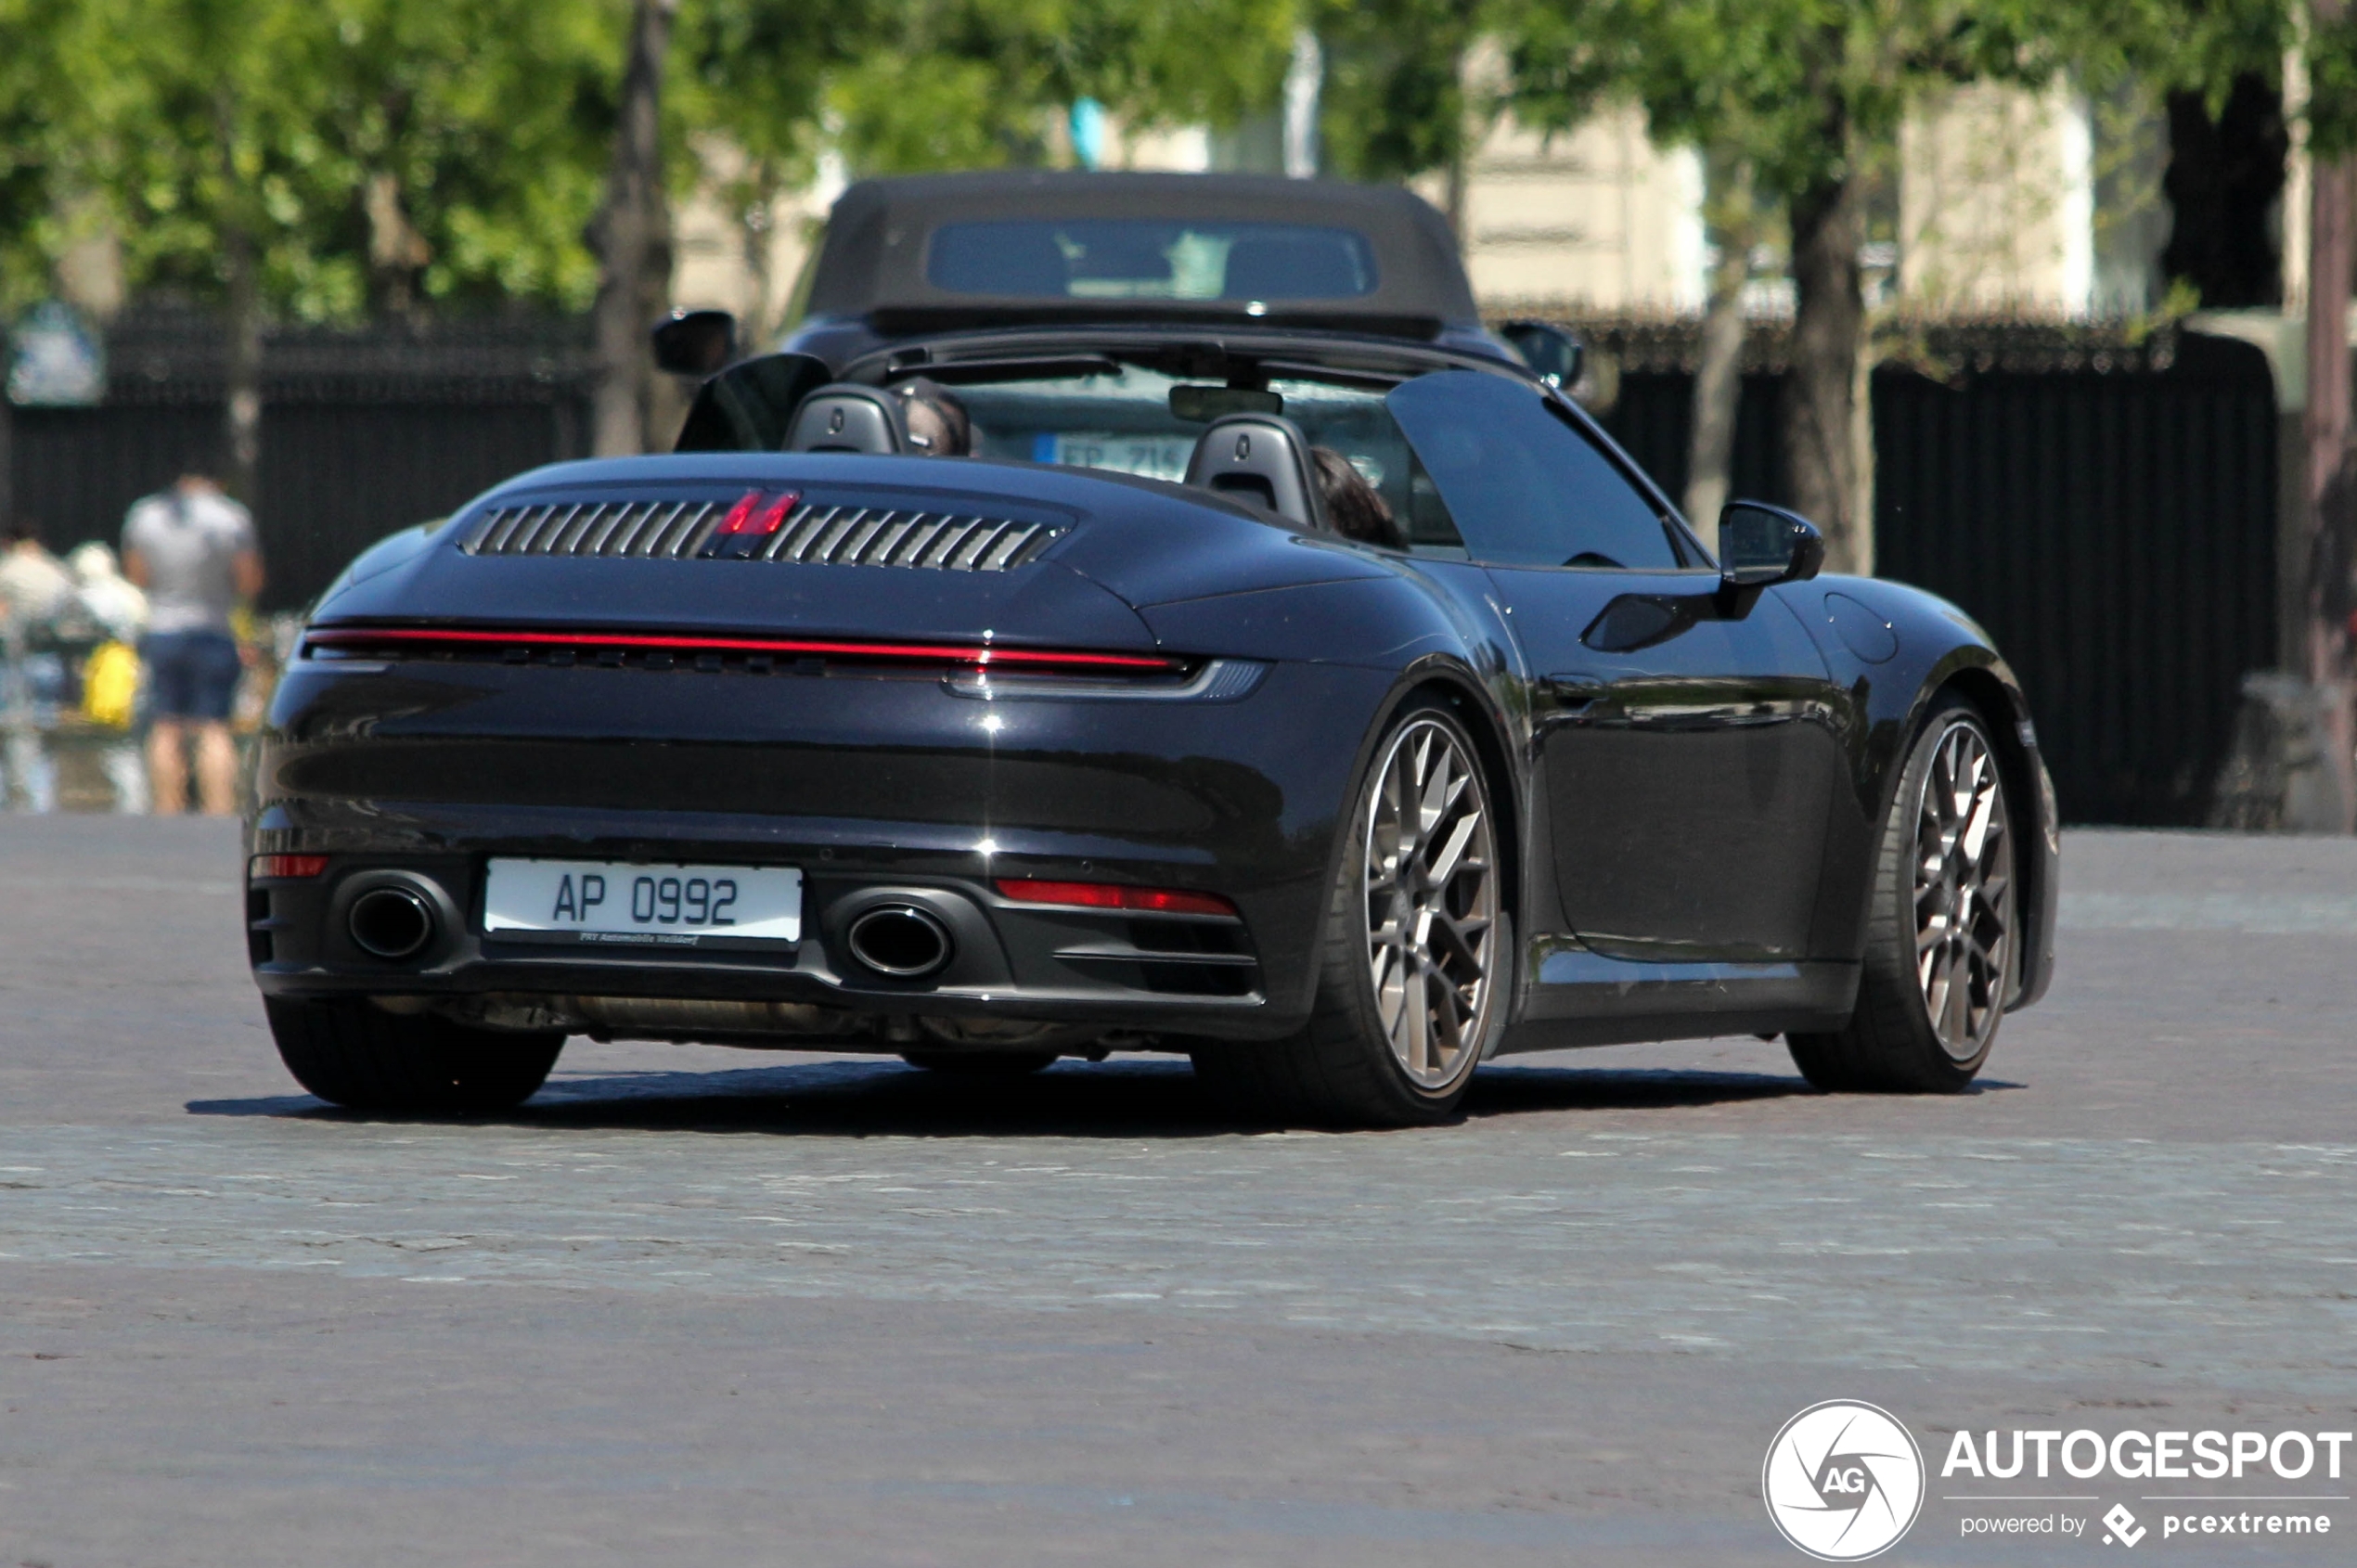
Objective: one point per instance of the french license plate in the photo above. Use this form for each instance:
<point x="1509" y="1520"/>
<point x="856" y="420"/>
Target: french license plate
<point x="608" y="902"/>
<point x="1155" y="456"/>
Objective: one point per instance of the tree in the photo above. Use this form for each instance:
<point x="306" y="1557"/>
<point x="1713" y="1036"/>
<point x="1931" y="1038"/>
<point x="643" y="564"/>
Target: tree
<point x="975" y="84"/>
<point x="321" y="159"/>
<point x="204" y="110"/>
<point x="471" y="136"/>
<point x="36" y="142"/>
<point x="633" y="237"/>
<point x="750" y="76"/>
<point x="1397" y="100"/>
<point x="1799" y="92"/>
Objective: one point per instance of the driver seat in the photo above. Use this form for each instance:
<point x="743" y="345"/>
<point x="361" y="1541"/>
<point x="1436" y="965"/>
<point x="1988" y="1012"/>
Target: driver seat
<point x="848" y="418"/>
<point x="1262" y="461"/>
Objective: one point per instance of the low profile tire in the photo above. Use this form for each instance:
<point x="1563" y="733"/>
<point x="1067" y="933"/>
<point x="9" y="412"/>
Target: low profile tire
<point x="1418" y="956"/>
<point x="1940" y="958"/>
<point x="356" y="1055"/>
<point x="981" y="1064"/>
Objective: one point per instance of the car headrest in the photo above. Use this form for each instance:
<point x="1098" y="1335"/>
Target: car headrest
<point x="845" y="417"/>
<point x="1262" y="460"/>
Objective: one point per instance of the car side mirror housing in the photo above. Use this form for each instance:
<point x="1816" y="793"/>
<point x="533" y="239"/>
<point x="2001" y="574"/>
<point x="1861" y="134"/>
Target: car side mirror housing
<point x="1760" y="545"/>
<point x="1551" y="350"/>
<point x="695" y="342"/>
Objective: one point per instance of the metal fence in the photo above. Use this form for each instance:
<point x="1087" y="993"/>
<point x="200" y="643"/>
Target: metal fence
<point x="361" y="432"/>
<point x="2113" y="525"/>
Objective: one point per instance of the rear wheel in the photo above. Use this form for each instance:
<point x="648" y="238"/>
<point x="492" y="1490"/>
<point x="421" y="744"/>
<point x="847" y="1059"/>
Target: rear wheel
<point x="354" y="1054"/>
<point x="1939" y="936"/>
<point x="1418" y="955"/>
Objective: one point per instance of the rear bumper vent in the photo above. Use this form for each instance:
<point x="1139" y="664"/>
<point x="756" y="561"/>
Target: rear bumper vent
<point x="813" y="535"/>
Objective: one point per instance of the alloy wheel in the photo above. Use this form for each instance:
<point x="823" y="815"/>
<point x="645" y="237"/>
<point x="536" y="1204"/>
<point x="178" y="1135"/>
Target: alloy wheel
<point x="1431" y="903"/>
<point x="1964" y="892"/>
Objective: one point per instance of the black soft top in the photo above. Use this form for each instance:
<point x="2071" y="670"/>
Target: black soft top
<point x="873" y="265"/>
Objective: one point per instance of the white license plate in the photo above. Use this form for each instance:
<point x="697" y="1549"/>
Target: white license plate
<point x="1155" y="456"/>
<point x="602" y="901"/>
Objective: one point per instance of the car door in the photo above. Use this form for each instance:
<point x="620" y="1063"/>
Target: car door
<point x="1687" y="753"/>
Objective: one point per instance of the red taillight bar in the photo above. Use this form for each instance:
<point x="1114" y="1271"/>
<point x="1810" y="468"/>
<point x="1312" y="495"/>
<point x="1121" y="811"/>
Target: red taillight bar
<point x="279" y="865"/>
<point x="926" y="652"/>
<point x="1114" y="895"/>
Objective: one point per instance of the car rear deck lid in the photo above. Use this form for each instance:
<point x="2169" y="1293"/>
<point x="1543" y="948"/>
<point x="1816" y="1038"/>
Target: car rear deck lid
<point x="805" y="532"/>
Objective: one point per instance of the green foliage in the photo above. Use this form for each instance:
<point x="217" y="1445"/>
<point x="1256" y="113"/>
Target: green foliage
<point x="383" y="152"/>
<point x="756" y="71"/>
<point x="35" y="148"/>
<point x="493" y="119"/>
<point x="1395" y="103"/>
<point x="479" y="127"/>
<point x="1760" y="76"/>
<point x="1793" y="87"/>
<point x="2332" y="87"/>
<point x="967" y="83"/>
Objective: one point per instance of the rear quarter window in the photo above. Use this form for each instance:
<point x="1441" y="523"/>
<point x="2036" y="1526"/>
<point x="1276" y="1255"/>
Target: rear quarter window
<point x="1523" y="485"/>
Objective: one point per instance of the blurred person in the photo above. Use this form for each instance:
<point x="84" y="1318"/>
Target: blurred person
<point x="193" y="549"/>
<point x="34" y="590"/>
<point x="109" y="597"/>
<point x="34" y="586"/>
<point x="1353" y="508"/>
<point x="938" y="426"/>
<point x="110" y="678"/>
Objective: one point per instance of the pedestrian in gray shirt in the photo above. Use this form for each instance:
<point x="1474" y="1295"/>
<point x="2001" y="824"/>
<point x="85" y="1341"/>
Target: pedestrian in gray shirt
<point x="193" y="549"/>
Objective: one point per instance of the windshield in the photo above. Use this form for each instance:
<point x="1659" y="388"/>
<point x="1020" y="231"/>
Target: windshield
<point x="1123" y="421"/>
<point x="1150" y="259"/>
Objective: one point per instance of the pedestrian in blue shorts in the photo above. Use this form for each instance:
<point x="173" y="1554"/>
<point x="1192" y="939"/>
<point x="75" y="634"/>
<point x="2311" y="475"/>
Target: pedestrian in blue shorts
<point x="193" y="549"/>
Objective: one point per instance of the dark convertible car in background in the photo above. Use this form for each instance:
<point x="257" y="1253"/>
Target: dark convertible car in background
<point x="1101" y="736"/>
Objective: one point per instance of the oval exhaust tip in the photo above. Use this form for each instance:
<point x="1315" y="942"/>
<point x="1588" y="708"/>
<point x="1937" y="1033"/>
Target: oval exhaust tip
<point x="899" y="940"/>
<point x="390" y="922"/>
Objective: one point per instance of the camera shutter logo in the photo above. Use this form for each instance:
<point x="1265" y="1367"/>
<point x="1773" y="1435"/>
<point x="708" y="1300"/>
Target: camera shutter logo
<point x="1843" y="1480"/>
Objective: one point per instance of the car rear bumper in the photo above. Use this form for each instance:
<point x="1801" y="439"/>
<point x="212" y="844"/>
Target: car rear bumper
<point x="875" y="789"/>
<point x="1187" y="973"/>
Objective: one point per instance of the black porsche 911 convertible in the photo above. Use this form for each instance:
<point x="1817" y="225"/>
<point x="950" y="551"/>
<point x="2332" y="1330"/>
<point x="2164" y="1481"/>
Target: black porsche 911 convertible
<point x="1137" y="615"/>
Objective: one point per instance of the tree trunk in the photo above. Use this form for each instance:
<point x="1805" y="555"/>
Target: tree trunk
<point x="241" y="268"/>
<point x="8" y="446"/>
<point x="2332" y="490"/>
<point x="632" y="236"/>
<point x="242" y="430"/>
<point x="1729" y="211"/>
<point x="1820" y="394"/>
<point x="1454" y="194"/>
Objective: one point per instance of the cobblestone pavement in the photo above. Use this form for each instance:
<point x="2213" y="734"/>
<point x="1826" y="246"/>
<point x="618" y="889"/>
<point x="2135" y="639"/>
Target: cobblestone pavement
<point x="711" y="1305"/>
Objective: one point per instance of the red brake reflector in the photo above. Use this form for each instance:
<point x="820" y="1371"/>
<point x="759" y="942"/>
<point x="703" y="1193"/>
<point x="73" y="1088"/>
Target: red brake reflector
<point x="1115" y="895"/>
<point x="774" y="517"/>
<point x="739" y="514"/>
<point x="749" y="516"/>
<point x="266" y="866"/>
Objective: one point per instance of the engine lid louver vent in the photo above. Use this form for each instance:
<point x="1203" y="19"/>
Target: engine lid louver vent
<point x="813" y="533"/>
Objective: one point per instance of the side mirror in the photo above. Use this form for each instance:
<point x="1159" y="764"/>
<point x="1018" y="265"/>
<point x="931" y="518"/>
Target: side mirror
<point x="695" y="342"/>
<point x="1760" y="545"/>
<point x="1548" y="349"/>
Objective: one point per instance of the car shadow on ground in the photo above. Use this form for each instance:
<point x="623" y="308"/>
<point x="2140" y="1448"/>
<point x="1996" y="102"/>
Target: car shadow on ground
<point x="1124" y="1097"/>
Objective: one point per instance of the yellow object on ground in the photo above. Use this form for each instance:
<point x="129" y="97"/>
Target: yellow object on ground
<point x="110" y="684"/>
